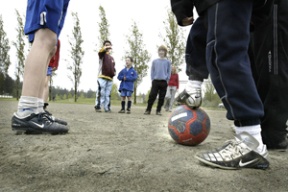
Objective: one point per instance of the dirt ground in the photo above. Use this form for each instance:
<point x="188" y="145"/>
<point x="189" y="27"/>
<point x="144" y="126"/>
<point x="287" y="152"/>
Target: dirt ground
<point x="122" y="152"/>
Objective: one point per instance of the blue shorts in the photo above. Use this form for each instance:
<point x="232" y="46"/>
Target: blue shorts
<point x="126" y="93"/>
<point x="45" y="14"/>
<point x="49" y="71"/>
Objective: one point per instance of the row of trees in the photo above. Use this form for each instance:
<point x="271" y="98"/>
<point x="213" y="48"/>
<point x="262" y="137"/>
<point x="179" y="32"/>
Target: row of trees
<point x="173" y="39"/>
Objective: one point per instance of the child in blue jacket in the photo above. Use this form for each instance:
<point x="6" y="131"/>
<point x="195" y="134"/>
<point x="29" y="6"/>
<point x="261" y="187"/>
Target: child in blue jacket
<point x="127" y="76"/>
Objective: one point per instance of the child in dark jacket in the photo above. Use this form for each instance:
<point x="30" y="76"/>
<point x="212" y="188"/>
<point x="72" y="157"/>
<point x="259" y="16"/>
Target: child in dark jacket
<point x="127" y="76"/>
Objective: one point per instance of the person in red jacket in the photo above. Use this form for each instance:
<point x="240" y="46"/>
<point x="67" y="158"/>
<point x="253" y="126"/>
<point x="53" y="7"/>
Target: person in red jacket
<point x="173" y="86"/>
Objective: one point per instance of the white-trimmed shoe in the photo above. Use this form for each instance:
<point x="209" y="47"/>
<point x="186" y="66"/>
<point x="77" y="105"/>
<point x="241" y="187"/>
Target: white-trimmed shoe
<point x="236" y="154"/>
<point x="192" y="99"/>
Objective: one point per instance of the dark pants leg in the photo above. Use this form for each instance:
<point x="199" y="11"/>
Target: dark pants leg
<point x="98" y="96"/>
<point x="271" y="68"/>
<point x="196" y="68"/>
<point x="162" y="92"/>
<point x="228" y="62"/>
<point x="157" y="87"/>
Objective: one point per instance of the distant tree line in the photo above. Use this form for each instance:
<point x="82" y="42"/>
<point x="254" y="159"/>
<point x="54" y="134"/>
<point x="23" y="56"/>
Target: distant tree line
<point x="135" y="47"/>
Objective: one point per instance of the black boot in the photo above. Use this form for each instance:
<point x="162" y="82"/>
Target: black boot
<point x="129" y="106"/>
<point x="123" y="107"/>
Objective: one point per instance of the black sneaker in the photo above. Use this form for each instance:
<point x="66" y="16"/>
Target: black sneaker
<point x="37" y="123"/>
<point x="122" y="111"/>
<point x="60" y="121"/>
<point x="236" y="154"/>
<point x="147" y="112"/>
<point x="128" y="111"/>
<point x="158" y="113"/>
<point x="97" y="108"/>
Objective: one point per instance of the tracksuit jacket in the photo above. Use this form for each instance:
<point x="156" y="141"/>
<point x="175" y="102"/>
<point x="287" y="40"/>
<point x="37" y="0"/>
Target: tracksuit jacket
<point x="184" y="8"/>
<point x="106" y="65"/>
<point x="131" y="76"/>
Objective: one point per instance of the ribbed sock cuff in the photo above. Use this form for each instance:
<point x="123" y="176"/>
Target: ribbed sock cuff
<point x="27" y="105"/>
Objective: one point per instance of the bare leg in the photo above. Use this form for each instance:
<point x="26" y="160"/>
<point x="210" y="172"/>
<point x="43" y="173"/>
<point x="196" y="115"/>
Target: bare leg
<point x="43" y="48"/>
<point x="46" y="89"/>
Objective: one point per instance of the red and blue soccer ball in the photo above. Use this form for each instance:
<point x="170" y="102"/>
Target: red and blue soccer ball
<point x="189" y="126"/>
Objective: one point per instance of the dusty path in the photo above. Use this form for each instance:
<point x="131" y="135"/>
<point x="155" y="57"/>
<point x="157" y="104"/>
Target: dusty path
<point x="121" y="152"/>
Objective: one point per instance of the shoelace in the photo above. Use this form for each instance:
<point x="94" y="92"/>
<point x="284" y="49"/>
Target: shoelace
<point x="42" y="117"/>
<point x="232" y="149"/>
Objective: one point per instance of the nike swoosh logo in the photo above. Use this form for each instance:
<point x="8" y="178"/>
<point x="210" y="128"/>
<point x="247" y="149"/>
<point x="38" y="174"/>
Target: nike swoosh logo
<point x="38" y="125"/>
<point x="247" y="163"/>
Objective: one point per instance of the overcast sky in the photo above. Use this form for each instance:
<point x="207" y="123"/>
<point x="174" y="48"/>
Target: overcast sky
<point x="148" y="14"/>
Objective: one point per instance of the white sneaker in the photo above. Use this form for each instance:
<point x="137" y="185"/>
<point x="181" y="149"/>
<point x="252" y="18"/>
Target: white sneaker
<point x="235" y="154"/>
<point x="192" y="99"/>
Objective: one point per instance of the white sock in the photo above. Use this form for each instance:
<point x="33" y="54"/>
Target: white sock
<point x="40" y="106"/>
<point x="255" y="131"/>
<point x="27" y="105"/>
<point x="192" y="85"/>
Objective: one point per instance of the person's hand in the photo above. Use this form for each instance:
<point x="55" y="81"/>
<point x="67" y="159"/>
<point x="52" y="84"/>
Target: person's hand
<point x="124" y="78"/>
<point x="188" y="21"/>
<point x="108" y="47"/>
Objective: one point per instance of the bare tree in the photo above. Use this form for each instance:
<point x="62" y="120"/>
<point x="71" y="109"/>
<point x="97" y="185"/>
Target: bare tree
<point x="19" y="44"/>
<point x="76" y="54"/>
<point x="103" y="26"/>
<point x="174" y="40"/>
<point x="4" y="49"/>
<point x="139" y="54"/>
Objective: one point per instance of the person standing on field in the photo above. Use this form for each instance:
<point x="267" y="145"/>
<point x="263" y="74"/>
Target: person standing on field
<point x="127" y="76"/>
<point x="218" y="45"/>
<point x="173" y="86"/>
<point x="105" y="78"/>
<point x="160" y="75"/>
<point x="43" y="24"/>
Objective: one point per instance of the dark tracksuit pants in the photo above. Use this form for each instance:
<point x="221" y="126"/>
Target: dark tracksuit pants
<point x="271" y="73"/>
<point x="195" y="55"/>
<point x="158" y="87"/>
<point x="227" y="38"/>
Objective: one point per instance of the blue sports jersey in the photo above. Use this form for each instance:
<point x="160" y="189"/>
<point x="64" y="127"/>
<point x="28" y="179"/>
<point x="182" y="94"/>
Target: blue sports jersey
<point x="45" y="14"/>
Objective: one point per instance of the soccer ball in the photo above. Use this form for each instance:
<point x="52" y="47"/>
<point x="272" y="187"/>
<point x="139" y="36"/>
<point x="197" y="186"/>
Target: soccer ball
<point x="189" y="126"/>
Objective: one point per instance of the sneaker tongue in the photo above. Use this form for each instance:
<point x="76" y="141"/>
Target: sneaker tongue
<point x="248" y="139"/>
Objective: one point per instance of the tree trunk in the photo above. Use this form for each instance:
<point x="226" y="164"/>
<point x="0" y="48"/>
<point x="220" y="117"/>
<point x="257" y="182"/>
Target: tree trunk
<point x="75" y="92"/>
<point x="17" y="88"/>
<point x="135" y="93"/>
